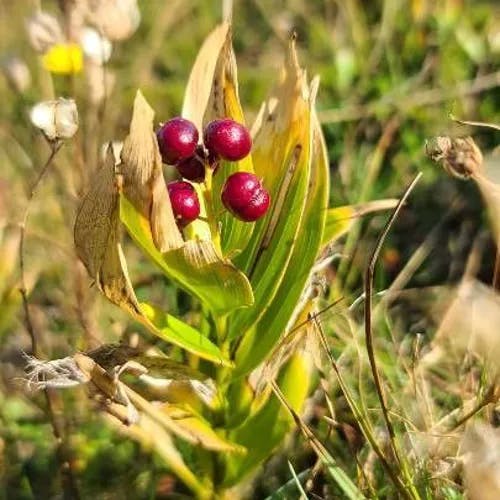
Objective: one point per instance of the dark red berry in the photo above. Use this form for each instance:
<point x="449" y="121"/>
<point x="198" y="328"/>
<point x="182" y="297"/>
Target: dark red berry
<point x="210" y="158"/>
<point x="184" y="200"/>
<point x="180" y="186"/>
<point x="177" y="140"/>
<point x="228" y="139"/>
<point x="192" y="169"/>
<point x="245" y="197"/>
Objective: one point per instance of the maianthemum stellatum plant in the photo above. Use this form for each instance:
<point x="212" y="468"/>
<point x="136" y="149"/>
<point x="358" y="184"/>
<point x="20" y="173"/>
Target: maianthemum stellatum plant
<point x="241" y="231"/>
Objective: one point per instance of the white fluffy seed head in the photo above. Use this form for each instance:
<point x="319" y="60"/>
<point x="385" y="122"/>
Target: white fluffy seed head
<point x="95" y="46"/>
<point x="57" y="119"/>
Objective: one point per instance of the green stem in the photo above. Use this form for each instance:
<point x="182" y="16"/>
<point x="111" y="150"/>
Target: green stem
<point x="211" y="214"/>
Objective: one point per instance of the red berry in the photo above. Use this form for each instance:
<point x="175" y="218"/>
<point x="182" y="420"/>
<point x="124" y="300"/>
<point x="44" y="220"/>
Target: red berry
<point x="245" y="197"/>
<point x="228" y="139"/>
<point x="192" y="169"/>
<point x="177" y="140"/>
<point x="180" y="186"/>
<point x="184" y="200"/>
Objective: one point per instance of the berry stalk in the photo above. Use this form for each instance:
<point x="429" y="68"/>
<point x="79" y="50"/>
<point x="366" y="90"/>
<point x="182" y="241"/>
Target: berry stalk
<point x="210" y="209"/>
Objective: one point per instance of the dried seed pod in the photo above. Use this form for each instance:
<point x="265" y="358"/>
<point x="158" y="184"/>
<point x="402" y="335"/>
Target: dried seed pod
<point x="96" y="47"/>
<point x="115" y="19"/>
<point x="57" y="119"/>
<point x="43" y="31"/>
<point x="17" y="73"/>
<point x="459" y="156"/>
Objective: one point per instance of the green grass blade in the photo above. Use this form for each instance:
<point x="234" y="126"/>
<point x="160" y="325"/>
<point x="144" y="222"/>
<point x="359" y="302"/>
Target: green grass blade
<point x="297" y="481"/>
<point x="285" y="491"/>
<point x="260" y="340"/>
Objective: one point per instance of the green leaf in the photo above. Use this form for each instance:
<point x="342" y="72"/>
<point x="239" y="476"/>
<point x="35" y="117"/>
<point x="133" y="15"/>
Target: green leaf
<point x="338" y="475"/>
<point x="264" y="431"/>
<point x="260" y="340"/>
<point x="282" y="158"/>
<point x="340" y="219"/>
<point x="177" y="332"/>
<point x="195" y="266"/>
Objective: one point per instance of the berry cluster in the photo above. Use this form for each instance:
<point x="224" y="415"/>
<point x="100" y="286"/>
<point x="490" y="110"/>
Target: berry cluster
<point x="242" y="194"/>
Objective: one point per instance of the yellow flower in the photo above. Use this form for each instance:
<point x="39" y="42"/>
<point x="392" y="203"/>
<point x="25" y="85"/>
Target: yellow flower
<point x="63" y="58"/>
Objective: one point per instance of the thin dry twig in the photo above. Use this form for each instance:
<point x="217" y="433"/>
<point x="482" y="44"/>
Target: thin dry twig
<point x="29" y="324"/>
<point x="370" y="271"/>
<point x="494" y="126"/>
<point x="53" y="399"/>
<point x="491" y="396"/>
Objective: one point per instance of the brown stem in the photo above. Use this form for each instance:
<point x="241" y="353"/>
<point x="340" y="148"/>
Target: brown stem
<point x="370" y="271"/>
<point x="496" y="271"/>
<point x="492" y="395"/>
<point x="53" y="399"/>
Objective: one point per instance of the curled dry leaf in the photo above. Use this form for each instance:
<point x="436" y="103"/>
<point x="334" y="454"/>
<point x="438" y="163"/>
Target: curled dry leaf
<point x="199" y="86"/>
<point x="212" y="93"/>
<point x="469" y="325"/>
<point x="143" y="182"/>
<point x="223" y="99"/>
<point x="459" y="156"/>
<point x="481" y="447"/>
<point x="97" y="238"/>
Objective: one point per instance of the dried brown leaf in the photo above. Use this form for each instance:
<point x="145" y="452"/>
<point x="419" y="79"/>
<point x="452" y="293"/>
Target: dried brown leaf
<point x="224" y="99"/>
<point x="459" y="156"/>
<point x="97" y="238"/>
<point x="481" y="444"/>
<point x="143" y="182"/>
<point x="469" y="325"/>
<point x="199" y="85"/>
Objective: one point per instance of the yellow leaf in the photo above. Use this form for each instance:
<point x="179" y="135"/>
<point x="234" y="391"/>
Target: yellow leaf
<point x="200" y="430"/>
<point x="63" y="58"/>
<point x="97" y="237"/>
<point x="340" y="219"/>
<point x="199" y="85"/>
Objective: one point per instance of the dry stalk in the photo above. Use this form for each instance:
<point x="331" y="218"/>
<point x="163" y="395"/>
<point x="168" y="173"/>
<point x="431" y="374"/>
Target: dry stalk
<point x="53" y="399"/>
<point x="370" y="271"/>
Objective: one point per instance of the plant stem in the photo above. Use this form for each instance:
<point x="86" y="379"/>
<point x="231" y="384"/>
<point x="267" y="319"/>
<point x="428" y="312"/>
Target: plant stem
<point x="211" y="214"/>
<point x="492" y="396"/>
<point x="370" y="271"/>
<point x="53" y="400"/>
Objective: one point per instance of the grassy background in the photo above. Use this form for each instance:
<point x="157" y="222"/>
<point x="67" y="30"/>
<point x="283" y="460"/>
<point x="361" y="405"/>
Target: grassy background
<point x="391" y="73"/>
